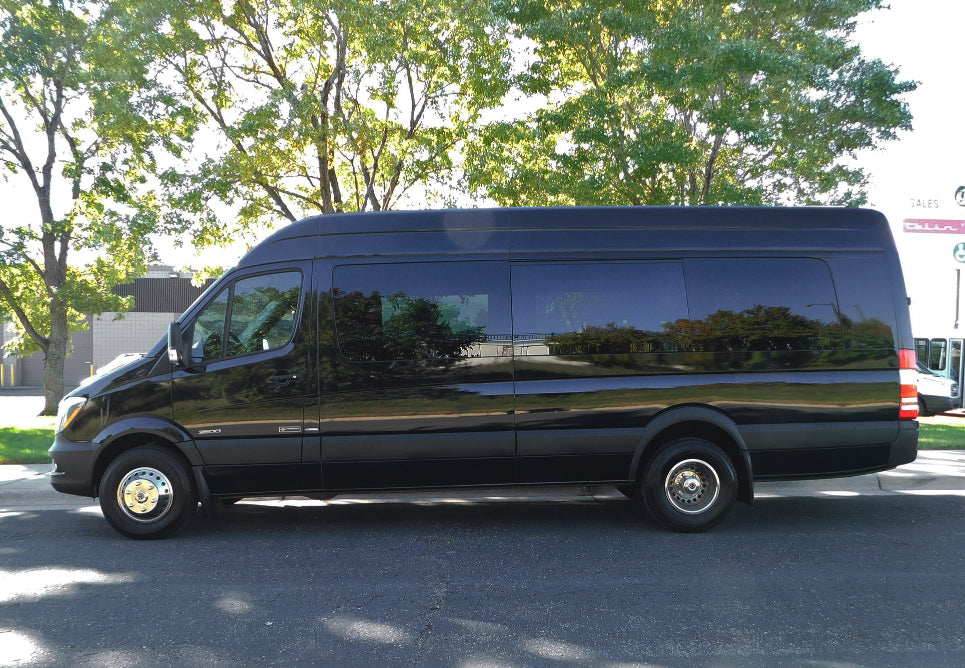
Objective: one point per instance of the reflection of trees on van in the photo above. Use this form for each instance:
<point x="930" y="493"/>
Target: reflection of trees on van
<point x="611" y="339"/>
<point x="760" y="328"/>
<point x="868" y="334"/>
<point x="261" y="319"/>
<point x="399" y="327"/>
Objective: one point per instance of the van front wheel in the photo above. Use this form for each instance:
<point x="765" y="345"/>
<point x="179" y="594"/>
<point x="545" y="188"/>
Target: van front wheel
<point x="690" y="485"/>
<point x="146" y="493"/>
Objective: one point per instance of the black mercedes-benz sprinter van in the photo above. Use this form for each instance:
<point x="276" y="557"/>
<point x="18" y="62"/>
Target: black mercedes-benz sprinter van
<point x="676" y="353"/>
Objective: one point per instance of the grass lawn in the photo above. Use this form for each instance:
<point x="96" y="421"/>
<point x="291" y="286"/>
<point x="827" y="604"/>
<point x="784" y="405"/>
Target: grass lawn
<point x="25" y="446"/>
<point x="29" y="446"/>
<point x="938" y="436"/>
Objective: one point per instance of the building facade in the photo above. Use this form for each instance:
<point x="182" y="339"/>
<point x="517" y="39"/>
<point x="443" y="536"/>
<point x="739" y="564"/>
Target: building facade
<point x="160" y="296"/>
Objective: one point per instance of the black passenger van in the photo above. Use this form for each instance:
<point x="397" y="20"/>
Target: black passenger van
<point x="678" y="354"/>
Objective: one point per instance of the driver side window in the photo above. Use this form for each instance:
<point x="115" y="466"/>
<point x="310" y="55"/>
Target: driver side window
<point x="260" y="313"/>
<point x="206" y="342"/>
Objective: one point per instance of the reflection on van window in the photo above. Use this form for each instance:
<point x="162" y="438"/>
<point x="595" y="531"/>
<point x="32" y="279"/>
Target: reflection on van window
<point x="263" y="316"/>
<point x="587" y="308"/>
<point x="263" y="310"/>
<point x="757" y="304"/>
<point x="422" y="311"/>
<point x="206" y="342"/>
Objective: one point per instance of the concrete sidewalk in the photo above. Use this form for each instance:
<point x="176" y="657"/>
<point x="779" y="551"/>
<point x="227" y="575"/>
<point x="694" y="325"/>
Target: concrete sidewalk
<point x="934" y="473"/>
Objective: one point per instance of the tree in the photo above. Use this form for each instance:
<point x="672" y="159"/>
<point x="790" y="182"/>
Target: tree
<point x="318" y="107"/>
<point x="67" y="129"/>
<point x="680" y="102"/>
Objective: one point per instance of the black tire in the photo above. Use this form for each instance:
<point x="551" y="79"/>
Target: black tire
<point x="690" y="485"/>
<point x="146" y="493"/>
<point x="922" y="408"/>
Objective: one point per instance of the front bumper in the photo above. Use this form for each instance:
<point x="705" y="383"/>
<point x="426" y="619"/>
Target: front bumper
<point x="73" y="467"/>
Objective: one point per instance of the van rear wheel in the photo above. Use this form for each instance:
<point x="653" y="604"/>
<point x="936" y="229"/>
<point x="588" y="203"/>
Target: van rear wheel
<point x="146" y="493"/>
<point x="690" y="485"/>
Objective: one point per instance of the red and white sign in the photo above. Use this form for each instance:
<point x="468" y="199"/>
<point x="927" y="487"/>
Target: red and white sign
<point x="934" y="226"/>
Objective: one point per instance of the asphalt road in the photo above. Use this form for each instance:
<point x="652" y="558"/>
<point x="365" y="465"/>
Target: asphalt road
<point x="858" y="572"/>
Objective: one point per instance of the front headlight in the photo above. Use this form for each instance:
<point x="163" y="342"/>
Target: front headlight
<point x="67" y="410"/>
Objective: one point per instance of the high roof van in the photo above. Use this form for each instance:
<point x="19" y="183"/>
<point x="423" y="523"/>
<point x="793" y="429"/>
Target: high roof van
<point x="678" y="354"/>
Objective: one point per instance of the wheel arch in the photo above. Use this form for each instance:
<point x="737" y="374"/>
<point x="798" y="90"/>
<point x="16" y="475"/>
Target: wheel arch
<point x="697" y="421"/>
<point x="126" y="435"/>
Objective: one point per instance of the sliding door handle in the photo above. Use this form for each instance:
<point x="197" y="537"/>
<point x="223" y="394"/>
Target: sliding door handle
<point x="284" y="378"/>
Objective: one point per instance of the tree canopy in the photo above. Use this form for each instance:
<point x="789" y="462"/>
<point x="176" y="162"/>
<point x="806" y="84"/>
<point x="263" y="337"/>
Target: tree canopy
<point x="71" y="131"/>
<point x="679" y="102"/>
<point x="318" y="107"/>
<point x="132" y="117"/>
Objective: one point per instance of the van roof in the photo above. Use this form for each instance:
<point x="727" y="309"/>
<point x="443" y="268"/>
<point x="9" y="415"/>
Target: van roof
<point x="307" y="237"/>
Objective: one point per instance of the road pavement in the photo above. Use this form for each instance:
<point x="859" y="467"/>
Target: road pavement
<point x="863" y="571"/>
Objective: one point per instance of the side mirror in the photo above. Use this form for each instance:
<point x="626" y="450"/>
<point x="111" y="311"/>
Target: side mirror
<point x="175" y="346"/>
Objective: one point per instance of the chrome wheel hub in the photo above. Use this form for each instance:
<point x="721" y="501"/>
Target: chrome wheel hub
<point x="692" y="486"/>
<point x="145" y="495"/>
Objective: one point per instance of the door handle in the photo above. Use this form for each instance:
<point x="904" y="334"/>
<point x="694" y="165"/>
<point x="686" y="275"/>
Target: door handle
<point x="282" y="379"/>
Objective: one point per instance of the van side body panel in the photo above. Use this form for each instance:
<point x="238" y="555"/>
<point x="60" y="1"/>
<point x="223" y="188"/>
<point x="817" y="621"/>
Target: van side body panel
<point x="540" y="346"/>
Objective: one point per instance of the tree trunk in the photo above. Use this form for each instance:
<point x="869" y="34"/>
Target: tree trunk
<point x="54" y="360"/>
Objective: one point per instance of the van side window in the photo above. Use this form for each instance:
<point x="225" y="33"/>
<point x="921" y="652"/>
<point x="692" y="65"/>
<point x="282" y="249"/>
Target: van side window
<point x="758" y="304"/>
<point x="206" y="341"/>
<point x="587" y="308"/>
<point x="867" y="311"/>
<point x="262" y="316"/>
<point x="263" y="310"/>
<point x="422" y="311"/>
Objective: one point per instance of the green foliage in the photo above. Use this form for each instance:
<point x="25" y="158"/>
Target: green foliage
<point x="75" y="128"/>
<point x="317" y="107"/>
<point x="676" y="102"/>
<point x="83" y="293"/>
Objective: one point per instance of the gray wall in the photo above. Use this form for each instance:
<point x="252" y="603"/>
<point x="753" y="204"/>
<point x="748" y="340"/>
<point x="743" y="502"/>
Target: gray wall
<point x="133" y="332"/>
<point x="76" y="366"/>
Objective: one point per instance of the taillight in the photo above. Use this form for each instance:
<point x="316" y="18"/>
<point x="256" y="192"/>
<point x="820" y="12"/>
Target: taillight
<point x="908" y="377"/>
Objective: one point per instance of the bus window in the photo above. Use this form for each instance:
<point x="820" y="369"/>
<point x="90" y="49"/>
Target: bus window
<point x="921" y="350"/>
<point x="956" y="361"/>
<point x="937" y="354"/>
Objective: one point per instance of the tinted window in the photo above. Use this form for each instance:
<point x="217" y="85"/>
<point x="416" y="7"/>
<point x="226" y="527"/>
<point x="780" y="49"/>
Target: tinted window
<point x="262" y="316"/>
<point x="866" y="300"/>
<point x="263" y="310"/>
<point x="420" y="310"/>
<point x="937" y="354"/>
<point x="208" y="335"/>
<point x="760" y="304"/>
<point x="591" y="308"/>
